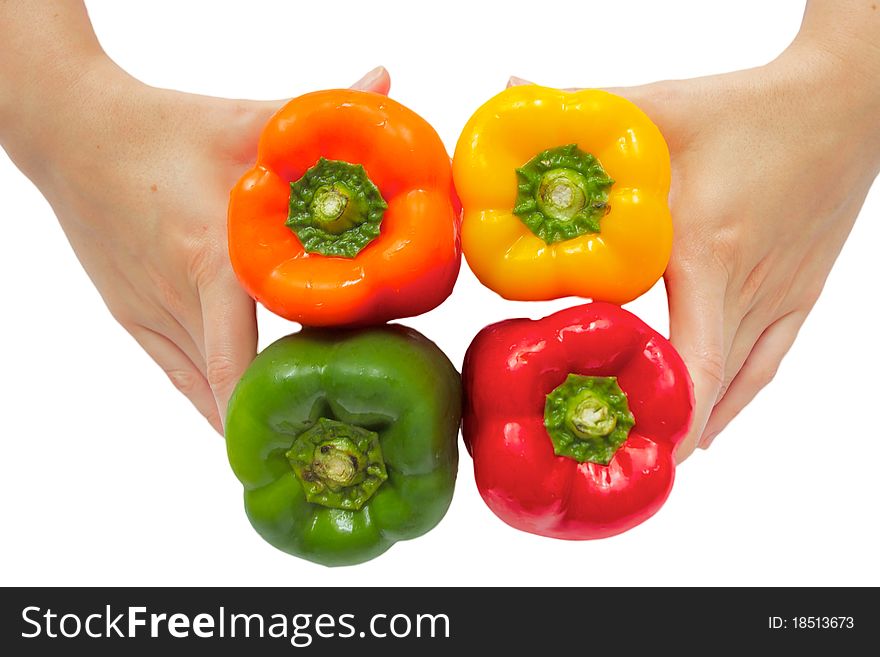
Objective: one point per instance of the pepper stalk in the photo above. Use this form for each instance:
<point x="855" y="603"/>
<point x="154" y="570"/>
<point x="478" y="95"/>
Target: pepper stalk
<point x="588" y="418"/>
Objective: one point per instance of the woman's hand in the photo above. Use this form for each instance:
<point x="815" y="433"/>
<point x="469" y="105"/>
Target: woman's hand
<point x="770" y="169"/>
<point x="139" y="178"/>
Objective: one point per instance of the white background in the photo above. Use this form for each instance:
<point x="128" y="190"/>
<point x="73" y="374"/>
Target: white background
<point x="110" y="477"/>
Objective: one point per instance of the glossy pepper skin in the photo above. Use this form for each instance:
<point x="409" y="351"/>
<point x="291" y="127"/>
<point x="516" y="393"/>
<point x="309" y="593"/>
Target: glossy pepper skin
<point x="512" y="372"/>
<point x="628" y="205"/>
<point x="389" y="382"/>
<point x="411" y="261"/>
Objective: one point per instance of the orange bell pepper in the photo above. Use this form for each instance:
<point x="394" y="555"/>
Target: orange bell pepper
<point x="348" y="215"/>
<point x="564" y="193"/>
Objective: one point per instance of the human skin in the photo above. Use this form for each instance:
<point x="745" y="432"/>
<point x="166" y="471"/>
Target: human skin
<point x="118" y="161"/>
<point x="758" y="224"/>
<point x="770" y="167"/>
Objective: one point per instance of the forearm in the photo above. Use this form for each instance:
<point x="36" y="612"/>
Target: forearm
<point x="848" y="29"/>
<point x="58" y="90"/>
<point x="45" y="47"/>
<point x="839" y="45"/>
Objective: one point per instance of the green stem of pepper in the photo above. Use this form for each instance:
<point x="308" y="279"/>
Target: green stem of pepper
<point x="339" y="465"/>
<point x="335" y="209"/>
<point x="329" y="207"/>
<point x="588" y="418"/>
<point x="562" y="194"/>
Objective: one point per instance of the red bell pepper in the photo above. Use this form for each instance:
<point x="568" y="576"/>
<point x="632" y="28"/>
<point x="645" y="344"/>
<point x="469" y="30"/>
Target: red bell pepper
<point x="572" y="420"/>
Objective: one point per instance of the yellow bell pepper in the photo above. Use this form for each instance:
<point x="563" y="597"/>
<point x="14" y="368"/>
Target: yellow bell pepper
<point x="564" y="194"/>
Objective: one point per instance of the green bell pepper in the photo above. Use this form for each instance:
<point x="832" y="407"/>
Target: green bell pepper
<point x="346" y="441"/>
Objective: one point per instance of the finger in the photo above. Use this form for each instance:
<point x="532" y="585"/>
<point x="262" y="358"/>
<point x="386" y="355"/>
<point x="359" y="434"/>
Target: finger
<point x="187" y="333"/>
<point x="661" y="101"/>
<point x="183" y="321"/>
<point x="195" y="331"/>
<point x="378" y="81"/>
<point x="182" y="337"/>
<point x="741" y="339"/>
<point x="697" y="331"/>
<point x="230" y="323"/>
<point x="630" y="93"/>
<point x="757" y="371"/>
<point x="633" y="94"/>
<point x="514" y="81"/>
<point x="649" y="97"/>
<point x="182" y="372"/>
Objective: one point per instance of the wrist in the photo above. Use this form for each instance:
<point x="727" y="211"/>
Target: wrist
<point x="837" y="53"/>
<point x="63" y="110"/>
<point x="30" y="80"/>
<point x="834" y="87"/>
<point x="848" y="31"/>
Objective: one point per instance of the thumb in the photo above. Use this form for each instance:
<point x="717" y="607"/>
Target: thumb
<point x="230" y="335"/>
<point x="662" y="101"/>
<point x="696" y="330"/>
<point x="378" y="81"/>
<point x="514" y="81"/>
<point x="655" y="99"/>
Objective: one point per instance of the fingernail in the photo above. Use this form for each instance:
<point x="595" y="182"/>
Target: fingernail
<point x="516" y="82"/>
<point x="706" y="440"/>
<point x="369" y="79"/>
